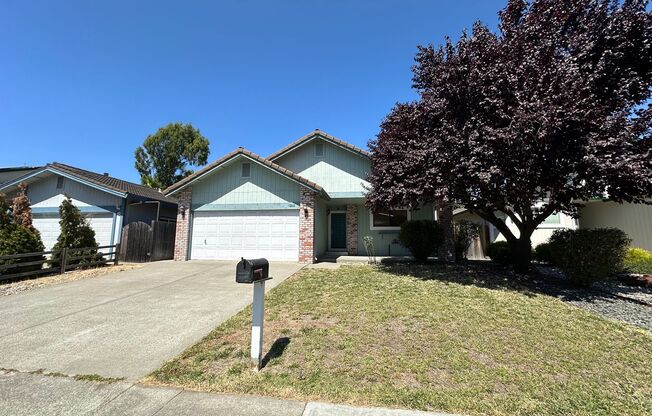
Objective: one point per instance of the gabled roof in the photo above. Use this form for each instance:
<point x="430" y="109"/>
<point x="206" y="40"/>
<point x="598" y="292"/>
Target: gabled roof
<point x="17" y="168"/>
<point x="102" y="181"/>
<point x="252" y="156"/>
<point x="322" y="135"/>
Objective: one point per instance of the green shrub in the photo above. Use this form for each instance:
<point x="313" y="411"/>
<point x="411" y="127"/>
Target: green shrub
<point x="18" y="239"/>
<point x="500" y="252"/>
<point x="75" y="233"/>
<point x="589" y="255"/>
<point x="638" y="260"/>
<point x="464" y="233"/>
<point x="421" y="237"/>
<point x="543" y="254"/>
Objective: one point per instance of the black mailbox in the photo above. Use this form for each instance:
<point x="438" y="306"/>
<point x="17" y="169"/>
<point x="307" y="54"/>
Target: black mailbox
<point x="251" y="270"/>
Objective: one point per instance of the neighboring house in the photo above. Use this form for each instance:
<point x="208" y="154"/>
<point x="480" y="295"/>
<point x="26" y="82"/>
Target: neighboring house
<point x="10" y="173"/>
<point x="633" y="219"/>
<point x="108" y="203"/>
<point x="298" y="204"/>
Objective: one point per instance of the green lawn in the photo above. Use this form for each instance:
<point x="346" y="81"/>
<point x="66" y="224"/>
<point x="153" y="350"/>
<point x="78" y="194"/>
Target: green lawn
<point x="388" y="337"/>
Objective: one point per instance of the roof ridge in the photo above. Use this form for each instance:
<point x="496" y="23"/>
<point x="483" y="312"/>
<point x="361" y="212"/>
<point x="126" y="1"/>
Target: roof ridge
<point x="324" y="135"/>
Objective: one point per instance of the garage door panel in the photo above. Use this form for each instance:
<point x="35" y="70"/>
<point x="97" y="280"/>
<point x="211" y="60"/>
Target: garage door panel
<point x="270" y="234"/>
<point x="49" y="228"/>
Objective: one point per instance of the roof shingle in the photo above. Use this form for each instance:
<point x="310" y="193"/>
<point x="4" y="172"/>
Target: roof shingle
<point x="112" y="183"/>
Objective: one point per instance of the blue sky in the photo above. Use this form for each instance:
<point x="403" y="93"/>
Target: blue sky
<point x="84" y="82"/>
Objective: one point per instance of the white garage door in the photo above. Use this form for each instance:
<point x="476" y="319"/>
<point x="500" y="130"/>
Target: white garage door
<point x="48" y="226"/>
<point x="226" y="235"/>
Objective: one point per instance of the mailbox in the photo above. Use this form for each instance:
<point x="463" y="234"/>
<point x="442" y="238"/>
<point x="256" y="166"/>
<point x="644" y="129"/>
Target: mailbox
<point x="251" y="270"/>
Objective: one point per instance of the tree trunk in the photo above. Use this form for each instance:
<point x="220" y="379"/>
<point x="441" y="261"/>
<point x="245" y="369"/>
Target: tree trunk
<point x="446" y="250"/>
<point x="521" y="253"/>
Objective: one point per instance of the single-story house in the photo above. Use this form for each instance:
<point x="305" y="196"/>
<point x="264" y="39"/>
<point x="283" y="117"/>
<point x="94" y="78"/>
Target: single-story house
<point x="9" y="173"/>
<point x="307" y="201"/>
<point x="302" y="202"/>
<point x="108" y="203"/>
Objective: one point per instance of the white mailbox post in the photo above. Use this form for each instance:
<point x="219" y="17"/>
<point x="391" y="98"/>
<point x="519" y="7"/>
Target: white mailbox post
<point x="257" y="323"/>
<point x="256" y="272"/>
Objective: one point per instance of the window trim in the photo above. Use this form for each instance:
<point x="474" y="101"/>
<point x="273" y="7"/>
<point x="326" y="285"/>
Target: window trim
<point x="242" y="169"/>
<point x="392" y="228"/>
<point x="553" y="225"/>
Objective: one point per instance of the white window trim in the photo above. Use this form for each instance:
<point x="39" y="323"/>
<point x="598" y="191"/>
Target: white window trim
<point x="371" y="221"/>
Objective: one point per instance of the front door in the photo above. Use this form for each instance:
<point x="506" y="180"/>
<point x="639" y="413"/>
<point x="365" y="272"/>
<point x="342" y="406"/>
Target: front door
<point x="338" y="230"/>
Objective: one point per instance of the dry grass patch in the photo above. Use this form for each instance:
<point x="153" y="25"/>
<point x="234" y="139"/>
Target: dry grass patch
<point x="7" y="289"/>
<point x="406" y="337"/>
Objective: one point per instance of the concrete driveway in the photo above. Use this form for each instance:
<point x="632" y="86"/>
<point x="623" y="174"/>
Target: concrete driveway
<point x="123" y="324"/>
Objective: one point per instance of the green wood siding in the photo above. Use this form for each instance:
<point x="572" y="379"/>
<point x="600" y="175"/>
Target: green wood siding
<point x="321" y="227"/>
<point x="226" y="189"/>
<point x="383" y="238"/>
<point x="340" y="172"/>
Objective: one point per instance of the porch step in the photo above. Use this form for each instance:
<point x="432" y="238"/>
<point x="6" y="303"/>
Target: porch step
<point x="331" y="256"/>
<point x="334" y="254"/>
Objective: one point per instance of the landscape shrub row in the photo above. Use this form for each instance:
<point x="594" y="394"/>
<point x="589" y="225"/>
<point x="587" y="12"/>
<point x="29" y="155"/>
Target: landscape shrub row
<point x="584" y="255"/>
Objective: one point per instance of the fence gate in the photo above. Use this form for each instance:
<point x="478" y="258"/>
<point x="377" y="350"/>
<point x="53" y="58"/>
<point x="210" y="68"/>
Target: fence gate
<point x="142" y="242"/>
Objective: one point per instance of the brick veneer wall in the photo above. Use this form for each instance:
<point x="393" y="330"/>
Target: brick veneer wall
<point x="352" y="229"/>
<point x="183" y="225"/>
<point x="307" y="226"/>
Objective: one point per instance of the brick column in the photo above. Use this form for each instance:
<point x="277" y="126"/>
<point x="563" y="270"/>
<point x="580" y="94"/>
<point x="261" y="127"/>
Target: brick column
<point x="352" y="229"/>
<point x="183" y="224"/>
<point x="307" y="226"/>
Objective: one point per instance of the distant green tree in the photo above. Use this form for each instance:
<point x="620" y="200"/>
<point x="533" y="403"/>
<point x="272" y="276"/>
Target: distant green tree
<point x="164" y="157"/>
<point x="75" y="233"/>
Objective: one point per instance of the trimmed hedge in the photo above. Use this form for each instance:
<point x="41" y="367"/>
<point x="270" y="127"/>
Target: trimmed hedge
<point x="500" y="252"/>
<point x="589" y="255"/>
<point x="421" y="237"/>
<point x="543" y="253"/>
<point x="638" y="260"/>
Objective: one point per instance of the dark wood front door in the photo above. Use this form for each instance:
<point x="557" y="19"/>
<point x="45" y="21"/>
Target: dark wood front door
<point x="338" y="230"/>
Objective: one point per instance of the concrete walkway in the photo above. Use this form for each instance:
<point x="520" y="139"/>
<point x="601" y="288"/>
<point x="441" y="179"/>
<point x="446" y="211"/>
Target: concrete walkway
<point x="25" y="394"/>
<point x="122" y="324"/>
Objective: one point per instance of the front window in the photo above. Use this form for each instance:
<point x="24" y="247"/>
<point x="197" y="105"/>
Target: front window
<point x="391" y="219"/>
<point x="553" y="219"/>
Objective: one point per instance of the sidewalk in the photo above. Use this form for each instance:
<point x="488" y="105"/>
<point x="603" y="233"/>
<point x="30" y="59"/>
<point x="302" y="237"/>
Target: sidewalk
<point x="27" y="394"/>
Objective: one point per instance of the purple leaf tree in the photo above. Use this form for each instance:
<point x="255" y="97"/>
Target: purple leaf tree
<point x="552" y="110"/>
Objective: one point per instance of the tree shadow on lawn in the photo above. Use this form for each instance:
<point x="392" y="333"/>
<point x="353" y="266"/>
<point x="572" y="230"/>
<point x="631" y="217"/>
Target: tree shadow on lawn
<point x="542" y="280"/>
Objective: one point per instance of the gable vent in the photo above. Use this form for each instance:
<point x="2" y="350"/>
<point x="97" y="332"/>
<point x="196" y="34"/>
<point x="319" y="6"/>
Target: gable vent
<point x="246" y="170"/>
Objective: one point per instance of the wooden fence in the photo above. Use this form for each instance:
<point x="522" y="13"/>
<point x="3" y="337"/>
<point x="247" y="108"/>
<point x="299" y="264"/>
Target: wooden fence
<point x="143" y="242"/>
<point x="69" y="259"/>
